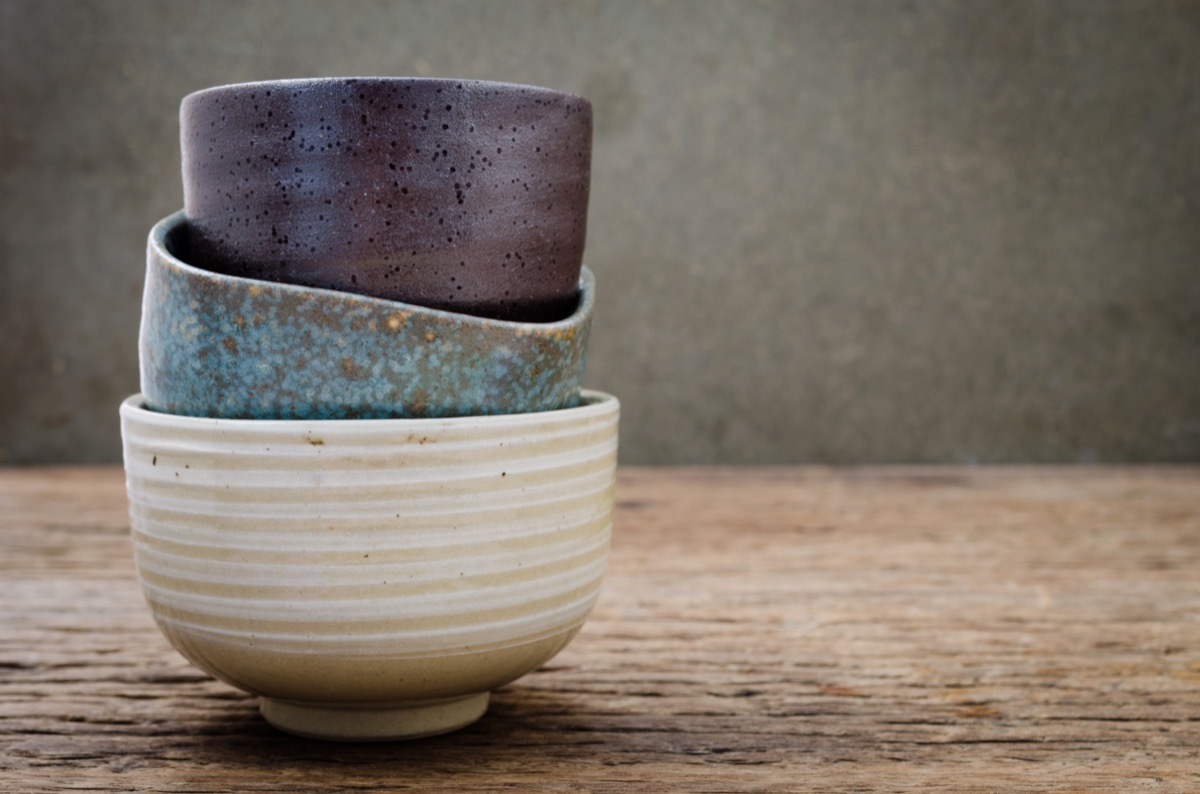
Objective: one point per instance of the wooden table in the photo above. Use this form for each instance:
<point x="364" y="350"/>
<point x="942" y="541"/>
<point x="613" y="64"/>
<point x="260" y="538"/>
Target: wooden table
<point x="783" y="629"/>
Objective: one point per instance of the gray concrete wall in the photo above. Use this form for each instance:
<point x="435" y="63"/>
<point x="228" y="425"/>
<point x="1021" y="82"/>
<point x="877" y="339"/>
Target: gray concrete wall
<point x="823" y="231"/>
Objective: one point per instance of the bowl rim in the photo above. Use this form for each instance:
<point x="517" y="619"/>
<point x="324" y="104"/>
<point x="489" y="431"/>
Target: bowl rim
<point x="593" y="403"/>
<point x="295" y="83"/>
<point x="157" y="244"/>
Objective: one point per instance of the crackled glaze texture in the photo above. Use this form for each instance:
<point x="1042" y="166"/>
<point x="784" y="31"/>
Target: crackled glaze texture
<point x="457" y="194"/>
<point x="224" y="346"/>
<point x="371" y="579"/>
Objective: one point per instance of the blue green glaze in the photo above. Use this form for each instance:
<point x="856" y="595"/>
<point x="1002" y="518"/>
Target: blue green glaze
<point x="223" y="346"/>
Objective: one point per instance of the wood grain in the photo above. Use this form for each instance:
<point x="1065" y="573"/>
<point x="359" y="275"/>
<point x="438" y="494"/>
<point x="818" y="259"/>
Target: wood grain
<point x="911" y="629"/>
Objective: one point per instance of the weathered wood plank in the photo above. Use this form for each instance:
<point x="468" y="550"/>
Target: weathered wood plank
<point x="763" y="629"/>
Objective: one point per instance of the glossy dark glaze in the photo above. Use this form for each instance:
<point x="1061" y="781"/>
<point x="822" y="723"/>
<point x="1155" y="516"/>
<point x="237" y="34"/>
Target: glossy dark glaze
<point x="460" y="195"/>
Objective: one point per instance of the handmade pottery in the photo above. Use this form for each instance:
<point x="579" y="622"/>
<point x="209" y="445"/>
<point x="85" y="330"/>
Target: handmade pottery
<point x="371" y="579"/>
<point x="226" y="346"/>
<point x="462" y="195"/>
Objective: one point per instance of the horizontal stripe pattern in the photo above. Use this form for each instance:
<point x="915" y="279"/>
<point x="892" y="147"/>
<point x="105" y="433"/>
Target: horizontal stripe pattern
<point x="380" y="538"/>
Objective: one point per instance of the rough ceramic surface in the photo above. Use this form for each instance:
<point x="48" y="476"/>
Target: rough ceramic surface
<point x="458" y="194"/>
<point x="371" y="579"/>
<point x="216" y="345"/>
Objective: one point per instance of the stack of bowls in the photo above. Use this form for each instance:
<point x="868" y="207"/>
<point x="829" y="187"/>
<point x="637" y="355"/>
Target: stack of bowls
<point x="365" y="481"/>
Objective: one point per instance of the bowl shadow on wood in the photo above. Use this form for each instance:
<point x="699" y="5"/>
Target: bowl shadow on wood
<point x="520" y="719"/>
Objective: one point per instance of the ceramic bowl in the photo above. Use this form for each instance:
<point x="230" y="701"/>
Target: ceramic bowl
<point x="223" y="346"/>
<point x="462" y="195"/>
<point x="371" y="579"/>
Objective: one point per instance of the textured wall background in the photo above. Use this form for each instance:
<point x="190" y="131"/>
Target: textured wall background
<point x="823" y="231"/>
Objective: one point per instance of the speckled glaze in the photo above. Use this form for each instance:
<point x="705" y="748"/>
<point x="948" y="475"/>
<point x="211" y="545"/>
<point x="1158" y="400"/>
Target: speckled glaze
<point x="371" y="579"/>
<point x="222" y="346"/>
<point x="462" y="195"/>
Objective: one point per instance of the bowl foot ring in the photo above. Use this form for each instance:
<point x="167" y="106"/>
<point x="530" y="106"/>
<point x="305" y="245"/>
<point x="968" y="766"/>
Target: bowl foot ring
<point x="346" y="722"/>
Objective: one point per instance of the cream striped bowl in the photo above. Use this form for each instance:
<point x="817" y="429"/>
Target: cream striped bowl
<point x="371" y="579"/>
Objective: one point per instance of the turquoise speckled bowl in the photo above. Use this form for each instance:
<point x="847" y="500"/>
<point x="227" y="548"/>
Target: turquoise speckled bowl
<point x="223" y="346"/>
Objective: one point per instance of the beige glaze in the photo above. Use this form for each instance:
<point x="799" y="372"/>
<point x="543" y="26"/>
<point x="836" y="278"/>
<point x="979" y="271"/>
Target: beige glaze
<point x="371" y="579"/>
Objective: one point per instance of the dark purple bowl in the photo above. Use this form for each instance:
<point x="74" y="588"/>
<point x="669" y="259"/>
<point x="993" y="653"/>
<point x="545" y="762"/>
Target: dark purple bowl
<point x="460" y="195"/>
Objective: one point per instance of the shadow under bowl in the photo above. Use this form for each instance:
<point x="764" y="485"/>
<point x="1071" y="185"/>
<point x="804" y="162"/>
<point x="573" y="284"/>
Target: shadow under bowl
<point x="224" y="346"/>
<point x="371" y="579"/>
